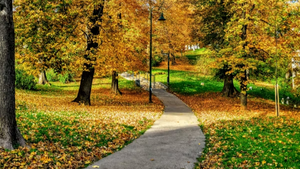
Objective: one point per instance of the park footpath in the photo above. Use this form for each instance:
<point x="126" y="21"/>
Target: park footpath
<point x="175" y="141"/>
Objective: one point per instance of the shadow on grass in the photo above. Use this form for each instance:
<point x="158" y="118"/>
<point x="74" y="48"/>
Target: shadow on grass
<point x="190" y="83"/>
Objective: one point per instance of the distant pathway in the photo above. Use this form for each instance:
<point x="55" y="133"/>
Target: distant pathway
<point x="173" y="142"/>
<point x="144" y="83"/>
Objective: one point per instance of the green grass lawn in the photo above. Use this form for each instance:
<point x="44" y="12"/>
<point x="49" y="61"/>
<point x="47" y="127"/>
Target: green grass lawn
<point x="194" y="55"/>
<point x="98" y="83"/>
<point x="272" y="142"/>
<point x="189" y="83"/>
<point x="185" y="82"/>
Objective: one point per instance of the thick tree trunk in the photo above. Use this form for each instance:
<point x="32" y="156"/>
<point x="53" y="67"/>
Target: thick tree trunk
<point x="173" y="59"/>
<point x="85" y="88"/>
<point x="115" y="84"/>
<point x="43" y="78"/>
<point x="228" y="89"/>
<point x="10" y="135"/>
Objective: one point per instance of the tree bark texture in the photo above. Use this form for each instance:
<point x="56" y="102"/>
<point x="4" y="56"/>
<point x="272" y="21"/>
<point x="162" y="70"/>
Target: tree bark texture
<point x="173" y="59"/>
<point x="115" y="84"/>
<point x="43" y="78"/>
<point x="243" y="81"/>
<point x="228" y="89"/>
<point x="10" y="135"/>
<point x="243" y="94"/>
<point x="85" y="88"/>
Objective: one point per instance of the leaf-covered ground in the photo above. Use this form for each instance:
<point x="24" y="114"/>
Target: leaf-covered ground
<point x="253" y="138"/>
<point x="62" y="134"/>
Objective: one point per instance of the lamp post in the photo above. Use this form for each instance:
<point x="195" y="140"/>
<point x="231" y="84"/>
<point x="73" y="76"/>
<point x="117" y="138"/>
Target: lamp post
<point x="150" y="51"/>
<point x="150" y="57"/>
<point x="168" y="78"/>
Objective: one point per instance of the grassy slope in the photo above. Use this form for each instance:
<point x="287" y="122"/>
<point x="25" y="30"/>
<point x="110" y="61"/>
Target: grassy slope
<point x="236" y="137"/>
<point x="194" y="55"/>
<point x="187" y="82"/>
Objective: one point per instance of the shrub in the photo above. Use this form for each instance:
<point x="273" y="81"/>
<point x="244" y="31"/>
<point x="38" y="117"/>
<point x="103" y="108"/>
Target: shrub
<point x="157" y="60"/>
<point x="203" y="64"/>
<point x="51" y="76"/>
<point x="66" y="77"/>
<point x="24" y="81"/>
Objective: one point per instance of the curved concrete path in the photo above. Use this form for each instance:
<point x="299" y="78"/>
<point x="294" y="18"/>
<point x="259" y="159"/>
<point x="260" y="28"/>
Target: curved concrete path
<point x="173" y="142"/>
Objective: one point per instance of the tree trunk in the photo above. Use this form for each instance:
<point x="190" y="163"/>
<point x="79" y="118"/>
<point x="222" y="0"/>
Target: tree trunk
<point x="229" y="90"/>
<point x="243" y="94"/>
<point x="115" y="84"/>
<point x="43" y="78"/>
<point x="10" y="135"/>
<point x="243" y="81"/>
<point x="173" y="59"/>
<point x="85" y="88"/>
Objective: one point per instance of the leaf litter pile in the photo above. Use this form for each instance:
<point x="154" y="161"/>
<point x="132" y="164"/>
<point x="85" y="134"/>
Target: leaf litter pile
<point x="62" y="134"/>
<point x="252" y="138"/>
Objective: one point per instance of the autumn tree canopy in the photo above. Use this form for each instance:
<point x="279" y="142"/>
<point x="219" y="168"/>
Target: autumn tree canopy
<point x="174" y="34"/>
<point x="251" y="34"/>
<point x="46" y="34"/>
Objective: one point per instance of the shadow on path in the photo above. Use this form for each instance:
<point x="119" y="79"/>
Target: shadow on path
<point x="173" y="142"/>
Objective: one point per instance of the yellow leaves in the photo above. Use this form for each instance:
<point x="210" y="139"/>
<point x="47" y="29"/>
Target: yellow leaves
<point x="45" y="159"/>
<point x="32" y="154"/>
<point x="25" y="137"/>
<point x="58" y="164"/>
<point x="75" y="135"/>
<point x="239" y="154"/>
<point x="212" y="107"/>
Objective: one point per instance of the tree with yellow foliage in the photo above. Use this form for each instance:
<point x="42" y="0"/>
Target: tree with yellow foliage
<point x="251" y="34"/>
<point x="45" y="35"/>
<point x="116" y="37"/>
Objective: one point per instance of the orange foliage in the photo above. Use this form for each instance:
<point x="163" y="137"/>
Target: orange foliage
<point x="211" y="107"/>
<point x="62" y="134"/>
<point x="130" y="107"/>
<point x="181" y="64"/>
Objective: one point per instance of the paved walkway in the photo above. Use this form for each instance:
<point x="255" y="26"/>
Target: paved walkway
<point x="144" y="83"/>
<point x="173" y="142"/>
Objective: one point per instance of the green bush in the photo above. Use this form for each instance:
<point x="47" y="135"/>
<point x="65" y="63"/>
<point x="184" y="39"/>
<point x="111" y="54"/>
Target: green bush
<point x="51" y="76"/>
<point x="203" y="64"/>
<point x="66" y="77"/>
<point x="24" y="81"/>
<point x="156" y="60"/>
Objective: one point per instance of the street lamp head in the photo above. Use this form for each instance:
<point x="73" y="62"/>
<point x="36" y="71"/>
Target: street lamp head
<point x="161" y="17"/>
